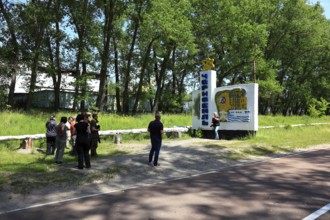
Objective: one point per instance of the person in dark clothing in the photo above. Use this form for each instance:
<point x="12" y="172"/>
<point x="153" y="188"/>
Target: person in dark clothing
<point x="156" y="130"/>
<point x="82" y="130"/>
<point x="95" y="138"/>
<point x="50" y="135"/>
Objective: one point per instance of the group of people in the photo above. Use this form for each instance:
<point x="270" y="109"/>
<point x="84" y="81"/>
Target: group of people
<point x="82" y="132"/>
<point x="84" y="137"/>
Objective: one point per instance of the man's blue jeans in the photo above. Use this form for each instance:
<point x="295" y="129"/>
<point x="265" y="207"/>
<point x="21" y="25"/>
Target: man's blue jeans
<point x="155" y="148"/>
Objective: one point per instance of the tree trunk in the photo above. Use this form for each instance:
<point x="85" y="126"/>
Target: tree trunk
<point x="57" y="81"/>
<point x="141" y="77"/>
<point x="38" y="42"/>
<point x="174" y="77"/>
<point x="15" y="56"/>
<point x="84" y="87"/>
<point x="32" y="80"/>
<point x="81" y="31"/>
<point x="127" y="78"/>
<point x="118" y="105"/>
<point x="52" y="72"/>
<point x="77" y="79"/>
<point x="107" y="30"/>
<point x="160" y="81"/>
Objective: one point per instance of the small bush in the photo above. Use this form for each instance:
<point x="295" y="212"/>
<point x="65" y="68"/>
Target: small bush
<point x="196" y="133"/>
<point x="318" y="108"/>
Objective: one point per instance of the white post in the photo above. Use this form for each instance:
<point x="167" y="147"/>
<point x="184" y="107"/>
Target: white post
<point x="207" y="86"/>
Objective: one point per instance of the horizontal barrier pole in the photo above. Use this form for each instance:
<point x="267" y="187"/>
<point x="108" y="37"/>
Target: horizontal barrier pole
<point x="294" y="125"/>
<point x="101" y="133"/>
<point x="136" y="131"/>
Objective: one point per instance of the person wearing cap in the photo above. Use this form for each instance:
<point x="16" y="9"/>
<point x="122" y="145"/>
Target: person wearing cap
<point x="50" y="135"/>
<point x="156" y="130"/>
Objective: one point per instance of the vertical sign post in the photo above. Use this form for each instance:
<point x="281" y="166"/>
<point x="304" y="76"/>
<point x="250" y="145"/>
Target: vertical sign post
<point x="207" y="86"/>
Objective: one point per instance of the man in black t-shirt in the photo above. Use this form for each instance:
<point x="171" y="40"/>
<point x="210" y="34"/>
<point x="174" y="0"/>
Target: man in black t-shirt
<point x="156" y="130"/>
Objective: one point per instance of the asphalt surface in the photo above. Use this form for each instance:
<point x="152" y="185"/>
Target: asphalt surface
<point x="287" y="187"/>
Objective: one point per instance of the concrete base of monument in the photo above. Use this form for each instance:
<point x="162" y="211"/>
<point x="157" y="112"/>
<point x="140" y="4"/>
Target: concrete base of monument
<point x="228" y="134"/>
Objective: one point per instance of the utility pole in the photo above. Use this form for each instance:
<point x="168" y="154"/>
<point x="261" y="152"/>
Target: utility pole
<point x="254" y="71"/>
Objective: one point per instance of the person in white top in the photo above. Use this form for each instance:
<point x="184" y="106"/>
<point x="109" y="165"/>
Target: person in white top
<point x="68" y="133"/>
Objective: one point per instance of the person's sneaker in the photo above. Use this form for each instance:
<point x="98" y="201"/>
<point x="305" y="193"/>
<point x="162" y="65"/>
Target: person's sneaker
<point x="156" y="165"/>
<point x="150" y="163"/>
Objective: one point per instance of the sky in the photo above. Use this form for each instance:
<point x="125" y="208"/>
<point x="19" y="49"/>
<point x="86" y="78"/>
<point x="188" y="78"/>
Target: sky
<point x="325" y="4"/>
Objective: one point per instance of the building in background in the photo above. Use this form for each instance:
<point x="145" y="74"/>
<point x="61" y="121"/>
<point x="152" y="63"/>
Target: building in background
<point x="44" y="96"/>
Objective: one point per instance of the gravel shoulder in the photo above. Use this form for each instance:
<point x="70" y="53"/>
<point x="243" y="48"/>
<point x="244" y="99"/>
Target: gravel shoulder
<point x="178" y="159"/>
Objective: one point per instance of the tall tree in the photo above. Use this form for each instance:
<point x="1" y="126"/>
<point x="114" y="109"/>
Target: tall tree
<point x="296" y="35"/>
<point x="111" y="11"/>
<point x="37" y="18"/>
<point x="13" y="55"/>
<point x="165" y="27"/>
<point x="116" y="70"/>
<point x="82" y="15"/>
<point x="233" y="34"/>
<point x="153" y="46"/>
<point x="136" y="21"/>
<point x="54" y="37"/>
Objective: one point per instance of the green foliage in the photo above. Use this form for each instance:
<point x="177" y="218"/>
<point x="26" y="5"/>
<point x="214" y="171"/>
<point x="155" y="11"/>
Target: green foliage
<point x="3" y="99"/>
<point x="160" y="44"/>
<point x="318" y="108"/>
<point x="196" y="133"/>
<point x="269" y="90"/>
<point x="313" y="112"/>
<point x="94" y="108"/>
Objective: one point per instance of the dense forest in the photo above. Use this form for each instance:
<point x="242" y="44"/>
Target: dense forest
<point x="151" y="50"/>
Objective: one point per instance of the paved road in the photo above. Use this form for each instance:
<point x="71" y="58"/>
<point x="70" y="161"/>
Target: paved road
<point x="291" y="187"/>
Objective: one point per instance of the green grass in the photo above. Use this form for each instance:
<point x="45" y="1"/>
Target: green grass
<point x="20" y="123"/>
<point x="24" y="172"/>
<point x="290" y="120"/>
<point x="278" y="141"/>
<point x="34" y="123"/>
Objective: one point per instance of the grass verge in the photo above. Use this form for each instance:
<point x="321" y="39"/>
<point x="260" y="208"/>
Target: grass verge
<point x="268" y="142"/>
